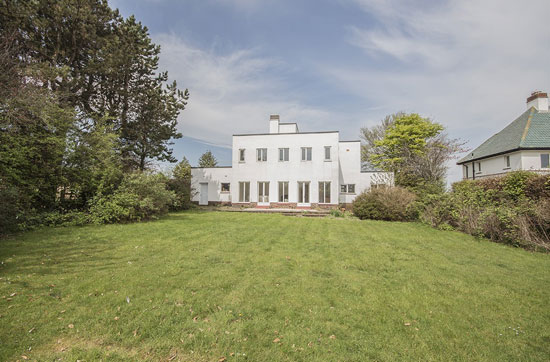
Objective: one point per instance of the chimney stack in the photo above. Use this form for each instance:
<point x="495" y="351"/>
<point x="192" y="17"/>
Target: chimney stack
<point x="274" y="123"/>
<point x="539" y="100"/>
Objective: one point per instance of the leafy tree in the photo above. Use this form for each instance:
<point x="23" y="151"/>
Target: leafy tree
<point x="207" y="159"/>
<point x="33" y="129"/>
<point x="180" y="183"/>
<point x="110" y="70"/>
<point x="416" y="149"/>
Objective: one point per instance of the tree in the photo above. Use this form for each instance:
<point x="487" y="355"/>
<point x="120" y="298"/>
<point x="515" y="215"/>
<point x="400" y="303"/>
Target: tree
<point x="180" y="183"/>
<point x="208" y="160"/>
<point x="414" y="148"/>
<point x="110" y="70"/>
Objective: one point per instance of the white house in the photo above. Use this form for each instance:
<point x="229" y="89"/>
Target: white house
<point x="286" y="168"/>
<point x="522" y="145"/>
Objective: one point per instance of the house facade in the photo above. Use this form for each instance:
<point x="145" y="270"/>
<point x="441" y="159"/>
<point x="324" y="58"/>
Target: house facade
<point x="522" y="145"/>
<point x="286" y="168"/>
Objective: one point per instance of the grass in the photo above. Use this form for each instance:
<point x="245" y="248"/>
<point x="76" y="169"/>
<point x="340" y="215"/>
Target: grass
<point x="201" y="286"/>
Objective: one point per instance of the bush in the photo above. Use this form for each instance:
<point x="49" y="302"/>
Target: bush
<point x="513" y="209"/>
<point x="336" y="213"/>
<point x="388" y="203"/>
<point x="141" y="196"/>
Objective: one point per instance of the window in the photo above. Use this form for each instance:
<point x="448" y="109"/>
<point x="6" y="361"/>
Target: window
<point x="283" y="154"/>
<point x="306" y="153"/>
<point x="303" y="192"/>
<point x="324" y="192"/>
<point x="545" y="160"/>
<point x="466" y="171"/>
<point x="225" y="186"/>
<point x="244" y="191"/>
<point x="479" y="166"/>
<point x="241" y="155"/>
<point x="263" y="192"/>
<point x="261" y="154"/>
<point x="327" y="153"/>
<point x="507" y="161"/>
<point x="347" y="189"/>
<point x="283" y="191"/>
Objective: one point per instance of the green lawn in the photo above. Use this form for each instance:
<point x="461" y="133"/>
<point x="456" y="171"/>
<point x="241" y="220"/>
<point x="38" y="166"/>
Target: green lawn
<point x="207" y="285"/>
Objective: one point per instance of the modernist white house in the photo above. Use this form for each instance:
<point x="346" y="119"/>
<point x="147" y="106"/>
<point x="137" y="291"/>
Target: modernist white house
<point x="522" y="145"/>
<point x="286" y="168"/>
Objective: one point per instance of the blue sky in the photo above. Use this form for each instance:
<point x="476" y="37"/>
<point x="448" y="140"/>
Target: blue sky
<point x="345" y="64"/>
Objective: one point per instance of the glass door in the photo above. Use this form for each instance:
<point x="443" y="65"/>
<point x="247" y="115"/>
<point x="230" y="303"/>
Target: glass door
<point x="263" y="193"/>
<point x="303" y="193"/>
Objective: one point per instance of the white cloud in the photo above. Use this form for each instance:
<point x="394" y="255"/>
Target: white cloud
<point x="231" y="93"/>
<point x="469" y="64"/>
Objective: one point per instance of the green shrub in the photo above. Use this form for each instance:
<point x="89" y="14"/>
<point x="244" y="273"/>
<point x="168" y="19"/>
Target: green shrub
<point x="513" y="209"/>
<point x="388" y="203"/>
<point x="336" y="213"/>
<point x="180" y="183"/>
<point x="141" y="196"/>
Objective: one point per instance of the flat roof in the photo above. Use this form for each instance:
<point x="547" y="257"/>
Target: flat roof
<point x="214" y="167"/>
<point x="286" y="133"/>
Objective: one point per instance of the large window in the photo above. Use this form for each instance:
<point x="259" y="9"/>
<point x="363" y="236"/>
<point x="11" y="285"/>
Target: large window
<point x="303" y="192"/>
<point x="545" y="160"/>
<point x="241" y="155"/>
<point x="283" y="191"/>
<point x="261" y="154"/>
<point x="244" y="191"/>
<point x="327" y="153"/>
<point x="324" y="192"/>
<point x="225" y="186"/>
<point x="306" y="153"/>
<point x="283" y="154"/>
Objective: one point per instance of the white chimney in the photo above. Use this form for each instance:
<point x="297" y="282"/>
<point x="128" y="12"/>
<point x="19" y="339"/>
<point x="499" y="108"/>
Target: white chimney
<point x="274" y="123"/>
<point x="539" y="100"/>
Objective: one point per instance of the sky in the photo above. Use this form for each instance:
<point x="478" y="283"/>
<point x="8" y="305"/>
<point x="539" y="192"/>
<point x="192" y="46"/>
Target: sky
<point x="345" y="64"/>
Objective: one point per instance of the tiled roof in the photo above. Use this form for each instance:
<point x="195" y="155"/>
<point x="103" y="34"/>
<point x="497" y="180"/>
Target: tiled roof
<point x="528" y="131"/>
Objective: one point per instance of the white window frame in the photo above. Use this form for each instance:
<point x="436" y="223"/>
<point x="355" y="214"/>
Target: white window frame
<point x="228" y="187"/>
<point x="506" y="162"/>
<point x="324" y="191"/>
<point x="241" y="155"/>
<point x="284" y="152"/>
<point x="547" y="160"/>
<point x="263" y="192"/>
<point x="345" y="189"/>
<point x="306" y="154"/>
<point x="261" y="154"/>
<point x="244" y="191"/>
<point x="327" y="148"/>
<point x="281" y="197"/>
<point x="302" y="194"/>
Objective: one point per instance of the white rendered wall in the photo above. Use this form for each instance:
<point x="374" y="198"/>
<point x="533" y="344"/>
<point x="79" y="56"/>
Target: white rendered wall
<point x="519" y="160"/>
<point x="530" y="160"/>
<point x="350" y="169"/>
<point x="292" y="171"/>
<point x="288" y="128"/>
<point x="214" y="176"/>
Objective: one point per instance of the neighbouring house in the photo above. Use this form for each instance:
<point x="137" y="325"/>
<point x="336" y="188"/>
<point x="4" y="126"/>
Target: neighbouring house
<point x="522" y="145"/>
<point x="286" y="168"/>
